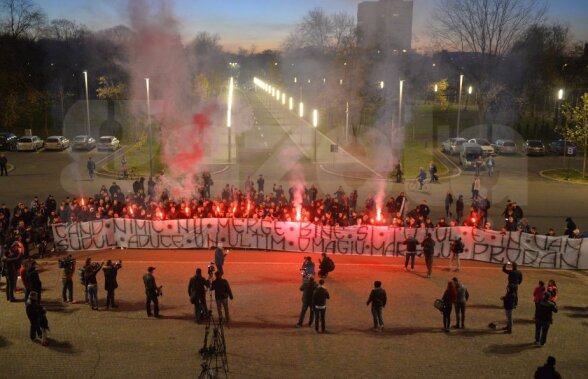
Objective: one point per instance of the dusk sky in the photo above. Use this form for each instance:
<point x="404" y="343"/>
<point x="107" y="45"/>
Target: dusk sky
<point x="265" y="23"/>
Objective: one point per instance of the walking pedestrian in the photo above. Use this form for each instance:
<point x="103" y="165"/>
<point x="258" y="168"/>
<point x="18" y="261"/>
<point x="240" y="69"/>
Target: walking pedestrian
<point x="38" y="319"/>
<point x="490" y="164"/>
<point x="411" y="250"/>
<point x="449" y="298"/>
<point x="508" y="303"/>
<point x="515" y="278"/>
<point x="197" y="292"/>
<point x="219" y="258"/>
<point x="460" y="303"/>
<point x="378" y="300"/>
<point x="308" y="286"/>
<point x="319" y="300"/>
<point x="222" y="294"/>
<point x="433" y="172"/>
<point x="91" y="166"/>
<point x="544" y="318"/>
<point x="110" y="284"/>
<point x="3" y="165"/>
<point x="152" y="292"/>
<point x="456" y="249"/>
<point x="428" y="251"/>
<point x="476" y="185"/>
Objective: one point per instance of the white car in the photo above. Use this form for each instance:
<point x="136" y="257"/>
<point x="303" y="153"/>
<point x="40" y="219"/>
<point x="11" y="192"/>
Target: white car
<point x="83" y="143"/>
<point x="29" y="143"/>
<point x="56" y="143"/>
<point x="108" y="143"/>
<point x="505" y="146"/>
<point x="487" y="148"/>
<point x="453" y="145"/>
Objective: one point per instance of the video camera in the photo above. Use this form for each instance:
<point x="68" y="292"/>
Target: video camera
<point x="117" y="265"/>
<point x="211" y="269"/>
<point x="66" y="262"/>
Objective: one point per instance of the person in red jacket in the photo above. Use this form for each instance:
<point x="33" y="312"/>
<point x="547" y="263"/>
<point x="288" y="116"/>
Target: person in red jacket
<point x="538" y="294"/>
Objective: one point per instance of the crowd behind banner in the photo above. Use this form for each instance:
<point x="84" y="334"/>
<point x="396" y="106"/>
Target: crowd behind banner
<point x="559" y="252"/>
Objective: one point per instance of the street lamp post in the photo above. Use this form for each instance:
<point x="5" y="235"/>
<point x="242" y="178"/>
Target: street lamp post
<point x="400" y="95"/>
<point x="229" y="115"/>
<point x="150" y="128"/>
<point x="315" y="125"/>
<point x="87" y="104"/>
<point x="459" y="104"/>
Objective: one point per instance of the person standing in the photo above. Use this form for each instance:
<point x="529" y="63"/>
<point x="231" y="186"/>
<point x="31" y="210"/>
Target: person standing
<point x="449" y="298"/>
<point x="260" y="183"/>
<point x="92" y="283"/>
<point x="3" y="165"/>
<point x="538" y="293"/>
<point x="544" y="318"/>
<point x="38" y="319"/>
<point x="197" y="292"/>
<point x="552" y="289"/>
<point x="411" y="249"/>
<point x="508" y="303"/>
<point x="490" y="163"/>
<point x="68" y="265"/>
<point x="11" y="263"/>
<point x="308" y="267"/>
<point x="448" y="204"/>
<point x="219" y="258"/>
<point x="476" y="185"/>
<point x="515" y="278"/>
<point x="460" y="303"/>
<point x="459" y="206"/>
<point x="326" y="265"/>
<point x="456" y="250"/>
<point x="428" y="251"/>
<point x="319" y="300"/>
<point x="91" y="166"/>
<point x="433" y="172"/>
<point x="378" y="300"/>
<point x="222" y="294"/>
<point x="110" y="284"/>
<point x="33" y="280"/>
<point x="308" y="286"/>
<point x="547" y="371"/>
<point x="151" y="292"/>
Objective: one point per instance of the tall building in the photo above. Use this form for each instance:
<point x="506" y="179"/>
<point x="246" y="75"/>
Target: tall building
<point x="385" y="25"/>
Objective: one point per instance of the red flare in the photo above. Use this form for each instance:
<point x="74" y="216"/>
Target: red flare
<point x="131" y="211"/>
<point x="298" y="214"/>
<point x="379" y="215"/>
<point x="160" y="214"/>
<point x="474" y="221"/>
<point x="187" y="211"/>
<point x="83" y="202"/>
<point x="217" y="210"/>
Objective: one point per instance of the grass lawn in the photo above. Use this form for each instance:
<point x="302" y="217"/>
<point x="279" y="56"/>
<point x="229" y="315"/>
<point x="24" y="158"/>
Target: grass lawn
<point x="138" y="160"/>
<point x="570" y="175"/>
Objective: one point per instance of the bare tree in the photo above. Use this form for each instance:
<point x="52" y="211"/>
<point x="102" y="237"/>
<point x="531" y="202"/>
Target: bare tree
<point x="316" y="29"/>
<point x="487" y="28"/>
<point x="21" y="18"/>
<point x="64" y="30"/>
<point x="344" y="32"/>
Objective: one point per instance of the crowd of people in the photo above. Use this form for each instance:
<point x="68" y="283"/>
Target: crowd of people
<point x="28" y="225"/>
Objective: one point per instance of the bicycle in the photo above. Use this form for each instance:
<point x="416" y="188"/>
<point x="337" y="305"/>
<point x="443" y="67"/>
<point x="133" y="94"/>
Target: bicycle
<point x="415" y="185"/>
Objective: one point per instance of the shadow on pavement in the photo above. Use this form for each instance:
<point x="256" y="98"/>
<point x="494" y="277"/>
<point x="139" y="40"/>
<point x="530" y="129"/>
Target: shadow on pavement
<point x="523" y="321"/>
<point x="468" y="333"/>
<point x="509" y="348"/>
<point x="485" y="306"/>
<point x="579" y="312"/>
<point x="257" y="325"/>
<point x="400" y="331"/>
<point x="58" y="306"/>
<point x="62" y="346"/>
<point x="4" y="342"/>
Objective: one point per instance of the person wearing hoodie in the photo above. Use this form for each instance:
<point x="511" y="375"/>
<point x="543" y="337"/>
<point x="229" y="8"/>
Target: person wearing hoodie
<point x="110" y="284"/>
<point x="33" y="279"/>
<point x="544" y="318"/>
<point x="308" y="286"/>
<point x="38" y="319"/>
<point x="378" y="301"/>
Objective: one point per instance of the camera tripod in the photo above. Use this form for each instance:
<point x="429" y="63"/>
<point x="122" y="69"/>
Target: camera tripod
<point x="213" y="352"/>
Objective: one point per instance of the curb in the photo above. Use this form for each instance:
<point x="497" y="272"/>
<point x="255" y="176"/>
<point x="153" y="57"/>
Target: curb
<point x="541" y="174"/>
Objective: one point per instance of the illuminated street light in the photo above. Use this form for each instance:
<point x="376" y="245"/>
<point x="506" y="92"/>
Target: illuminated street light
<point x="560" y="94"/>
<point x="87" y="103"/>
<point x="382" y="84"/>
<point x="340" y="82"/>
<point x="283" y="98"/>
<point x="291" y="103"/>
<point x="459" y="104"/>
<point x="301" y="110"/>
<point x="436" y="88"/>
<point x="295" y="80"/>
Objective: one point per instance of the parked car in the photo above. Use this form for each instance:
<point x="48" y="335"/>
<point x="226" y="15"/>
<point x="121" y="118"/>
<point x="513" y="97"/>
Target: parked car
<point x="83" y="143"/>
<point x="561" y="146"/>
<point x="29" y="143"/>
<point x="452" y="145"/>
<point x="505" y="146"/>
<point x="56" y="143"/>
<point x="8" y="141"/>
<point x="470" y="154"/>
<point x="534" y="147"/>
<point x="108" y="143"/>
<point x="486" y="146"/>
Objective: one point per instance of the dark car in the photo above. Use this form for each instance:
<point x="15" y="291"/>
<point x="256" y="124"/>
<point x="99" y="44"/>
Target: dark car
<point x="560" y="147"/>
<point x="534" y="147"/>
<point x="8" y="141"/>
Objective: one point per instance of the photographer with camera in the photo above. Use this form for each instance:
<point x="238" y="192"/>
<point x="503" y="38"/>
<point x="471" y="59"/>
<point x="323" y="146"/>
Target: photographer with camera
<point x="151" y="292"/>
<point x="110" y="271"/>
<point x="68" y="265"/>
<point x="222" y="294"/>
<point x="197" y="292"/>
<point x="515" y="278"/>
<point x="90" y="273"/>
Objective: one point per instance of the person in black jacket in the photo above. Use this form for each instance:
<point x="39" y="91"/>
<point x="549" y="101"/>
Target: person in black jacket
<point x="428" y="251"/>
<point x="38" y="319"/>
<point x="110" y="284"/>
<point x="326" y="265"/>
<point x="547" y="371"/>
<point x="378" y="301"/>
<point x="34" y="280"/>
<point x="515" y="278"/>
<point x="11" y="263"/>
<point x="544" y="318"/>
<point x="411" y="249"/>
<point x="197" y="292"/>
<point x="222" y="294"/>
<point x="508" y="302"/>
<point x="152" y="291"/>
<point x="308" y="286"/>
<point x="90" y="273"/>
<point x="319" y="301"/>
<point x="456" y="248"/>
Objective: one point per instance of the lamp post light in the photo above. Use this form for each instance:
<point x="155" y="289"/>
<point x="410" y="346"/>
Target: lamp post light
<point x="459" y="104"/>
<point x="87" y="104"/>
<point x="381" y="84"/>
<point x="229" y="115"/>
<point x="470" y="91"/>
<point x="147" y="87"/>
<point x="290" y="103"/>
<point x="315" y="125"/>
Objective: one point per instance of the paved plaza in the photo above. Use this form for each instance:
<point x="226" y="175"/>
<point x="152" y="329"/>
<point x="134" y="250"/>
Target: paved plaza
<point x="262" y="341"/>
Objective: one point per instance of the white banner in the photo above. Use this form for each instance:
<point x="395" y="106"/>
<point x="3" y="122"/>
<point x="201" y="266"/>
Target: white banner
<point x="480" y="245"/>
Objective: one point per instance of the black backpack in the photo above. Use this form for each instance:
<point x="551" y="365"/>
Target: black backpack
<point x="330" y="264"/>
